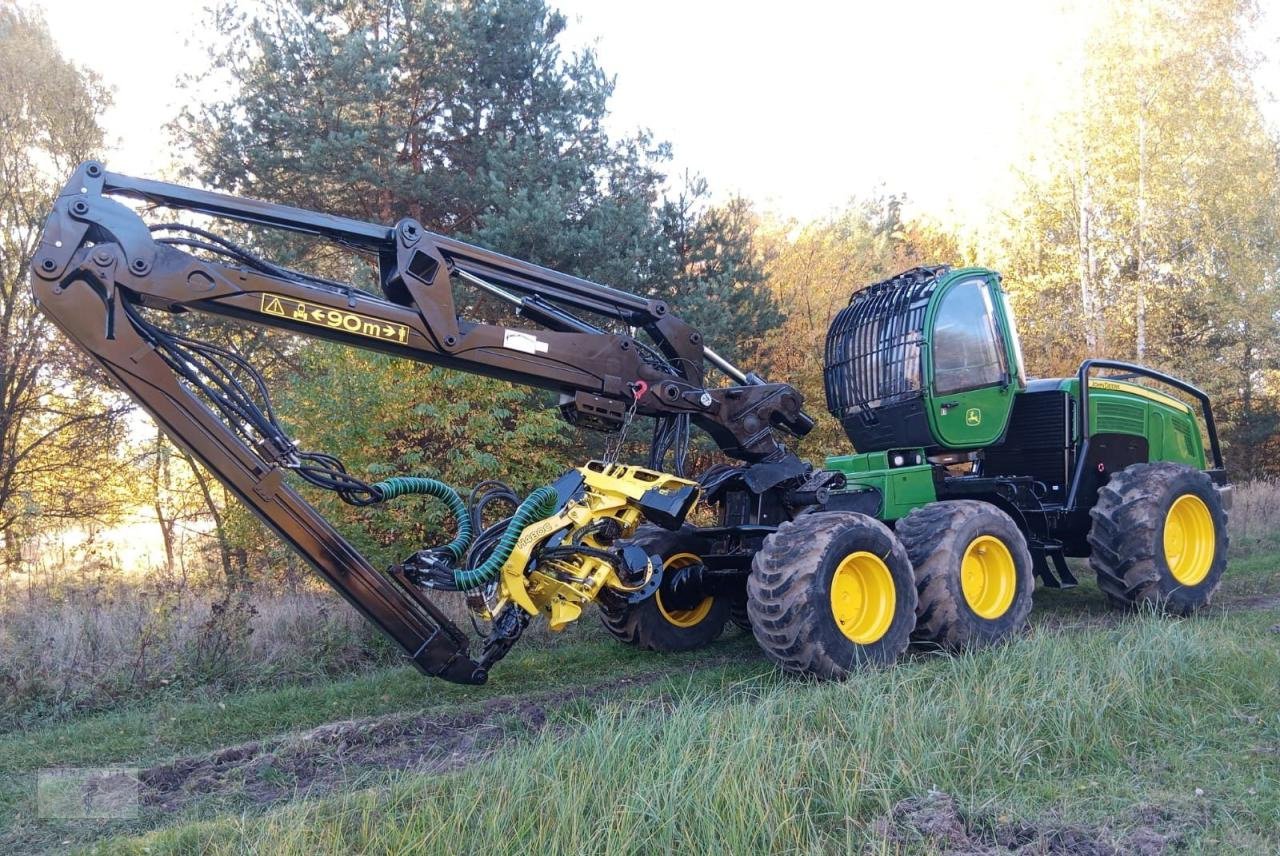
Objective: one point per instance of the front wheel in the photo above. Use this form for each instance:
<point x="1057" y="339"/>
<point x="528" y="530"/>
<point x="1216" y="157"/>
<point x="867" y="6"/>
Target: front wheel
<point x="655" y="624"/>
<point x="832" y="591"/>
<point x="1159" y="537"/>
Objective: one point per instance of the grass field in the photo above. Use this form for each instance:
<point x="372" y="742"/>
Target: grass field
<point x="1096" y="733"/>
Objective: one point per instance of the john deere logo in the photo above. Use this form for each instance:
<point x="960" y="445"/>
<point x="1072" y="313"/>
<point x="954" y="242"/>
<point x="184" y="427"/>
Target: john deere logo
<point x="973" y="416"/>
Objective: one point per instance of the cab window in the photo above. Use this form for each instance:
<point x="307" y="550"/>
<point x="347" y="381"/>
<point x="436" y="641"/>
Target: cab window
<point x="967" y="352"/>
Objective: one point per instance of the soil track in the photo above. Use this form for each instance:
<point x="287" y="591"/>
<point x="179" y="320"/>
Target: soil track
<point x="329" y="756"/>
<point x="934" y="822"/>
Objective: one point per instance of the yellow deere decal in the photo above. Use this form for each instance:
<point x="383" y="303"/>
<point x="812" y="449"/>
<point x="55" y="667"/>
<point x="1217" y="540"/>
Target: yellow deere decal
<point x="1142" y="391"/>
<point x="973" y="416"/>
<point x="334" y="319"/>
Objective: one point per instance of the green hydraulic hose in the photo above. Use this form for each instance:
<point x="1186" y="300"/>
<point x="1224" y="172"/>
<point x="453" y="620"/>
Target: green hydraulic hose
<point x="539" y="505"/>
<point x="405" y="485"/>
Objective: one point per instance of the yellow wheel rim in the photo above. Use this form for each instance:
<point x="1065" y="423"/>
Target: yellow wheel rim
<point x="683" y="617"/>
<point x="863" y="597"/>
<point x="988" y="576"/>
<point x="1189" y="539"/>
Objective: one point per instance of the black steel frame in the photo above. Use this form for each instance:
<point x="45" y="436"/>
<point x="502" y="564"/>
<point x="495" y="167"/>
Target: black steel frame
<point x="873" y="342"/>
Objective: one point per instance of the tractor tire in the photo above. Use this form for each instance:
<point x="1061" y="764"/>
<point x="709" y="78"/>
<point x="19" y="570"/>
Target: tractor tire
<point x="973" y="573"/>
<point x="738" y="613"/>
<point x="648" y="624"/>
<point x="830" y="592"/>
<point x="1159" y="538"/>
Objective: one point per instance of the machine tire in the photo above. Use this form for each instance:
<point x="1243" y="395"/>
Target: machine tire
<point x="792" y="609"/>
<point x="738" y="613"/>
<point x="1140" y="558"/>
<point x="646" y="624"/>
<point x="941" y="539"/>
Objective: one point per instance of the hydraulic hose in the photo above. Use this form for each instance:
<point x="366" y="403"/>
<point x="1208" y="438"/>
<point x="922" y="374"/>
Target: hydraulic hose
<point x="539" y="505"/>
<point x="406" y="485"/>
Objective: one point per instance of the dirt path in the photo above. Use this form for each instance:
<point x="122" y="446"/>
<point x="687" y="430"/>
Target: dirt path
<point x="934" y="823"/>
<point x="327" y="757"/>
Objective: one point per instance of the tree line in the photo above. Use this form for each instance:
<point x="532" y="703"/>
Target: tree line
<point x="1145" y="229"/>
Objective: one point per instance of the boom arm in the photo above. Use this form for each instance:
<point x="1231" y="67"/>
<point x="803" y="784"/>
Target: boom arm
<point x="416" y="318"/>
<point x="98" y="261"/>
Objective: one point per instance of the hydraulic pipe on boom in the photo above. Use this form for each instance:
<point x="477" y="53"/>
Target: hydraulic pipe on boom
<point x="538" y="310"/>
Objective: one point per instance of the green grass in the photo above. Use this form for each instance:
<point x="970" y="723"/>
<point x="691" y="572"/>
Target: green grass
<point x="1089" y="725"/>
<point x="174" y="726"/>
<point x="1088" y="718"/>
<point x="149" y="732"/>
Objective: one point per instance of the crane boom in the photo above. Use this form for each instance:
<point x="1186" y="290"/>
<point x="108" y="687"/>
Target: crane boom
<point x="101" y="273"/>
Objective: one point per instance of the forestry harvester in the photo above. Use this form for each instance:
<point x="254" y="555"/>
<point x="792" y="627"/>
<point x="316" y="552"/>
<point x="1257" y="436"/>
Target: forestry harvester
<point x="970" y="480"/>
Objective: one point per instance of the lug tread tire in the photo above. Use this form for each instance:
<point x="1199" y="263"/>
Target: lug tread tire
<point x="643" y="624"/>
<point x="936" y="536"/>
<point x="788" y="601"/>
<point x="1127" y="537"/>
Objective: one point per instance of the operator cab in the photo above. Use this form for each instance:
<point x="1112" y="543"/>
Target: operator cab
<point x="928" y="358"/>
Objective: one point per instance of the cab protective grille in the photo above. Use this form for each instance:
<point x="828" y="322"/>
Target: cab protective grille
<point x="873" y="346"/>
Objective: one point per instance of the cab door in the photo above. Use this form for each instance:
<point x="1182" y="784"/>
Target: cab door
<point x="971" y="388"/>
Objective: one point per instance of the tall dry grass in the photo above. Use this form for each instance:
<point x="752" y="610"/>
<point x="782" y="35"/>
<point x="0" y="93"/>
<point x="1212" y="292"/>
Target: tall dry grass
<point x="1254" y="521"/>
<point x="79" y="649"/>
<point x="72" y="649"/>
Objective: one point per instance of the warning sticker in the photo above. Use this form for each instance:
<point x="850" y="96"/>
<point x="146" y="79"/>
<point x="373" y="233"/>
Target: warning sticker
<point x="520" y="340"/>
<point x="334" y="319"/>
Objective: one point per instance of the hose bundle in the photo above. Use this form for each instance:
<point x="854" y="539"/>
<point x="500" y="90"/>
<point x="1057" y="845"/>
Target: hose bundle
<point x="539" y="505"/>
<point x="406" y="485"/>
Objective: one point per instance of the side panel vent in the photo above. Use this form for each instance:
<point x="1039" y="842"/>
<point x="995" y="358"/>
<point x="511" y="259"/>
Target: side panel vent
<point x="1036" y="443"/>
<point x="1187" y="440"/>
<point x="1120" y="418"/>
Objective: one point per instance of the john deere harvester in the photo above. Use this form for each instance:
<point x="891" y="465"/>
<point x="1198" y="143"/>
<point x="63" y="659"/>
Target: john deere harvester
<point x="991" y="479"/>
<point x="969" y="481"/>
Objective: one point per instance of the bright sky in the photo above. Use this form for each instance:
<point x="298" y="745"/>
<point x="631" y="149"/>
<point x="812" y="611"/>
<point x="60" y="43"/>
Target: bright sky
<point x="799" y="105"/>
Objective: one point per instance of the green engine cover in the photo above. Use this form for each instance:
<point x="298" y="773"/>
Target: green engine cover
<point x="1170" y="427"/>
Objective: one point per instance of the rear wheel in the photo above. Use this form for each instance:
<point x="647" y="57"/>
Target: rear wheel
<point x="658" y="625"/>
<point x="1159" y="537"/>
<point x="829" y="592"/>
<point x="973" y="573"/>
